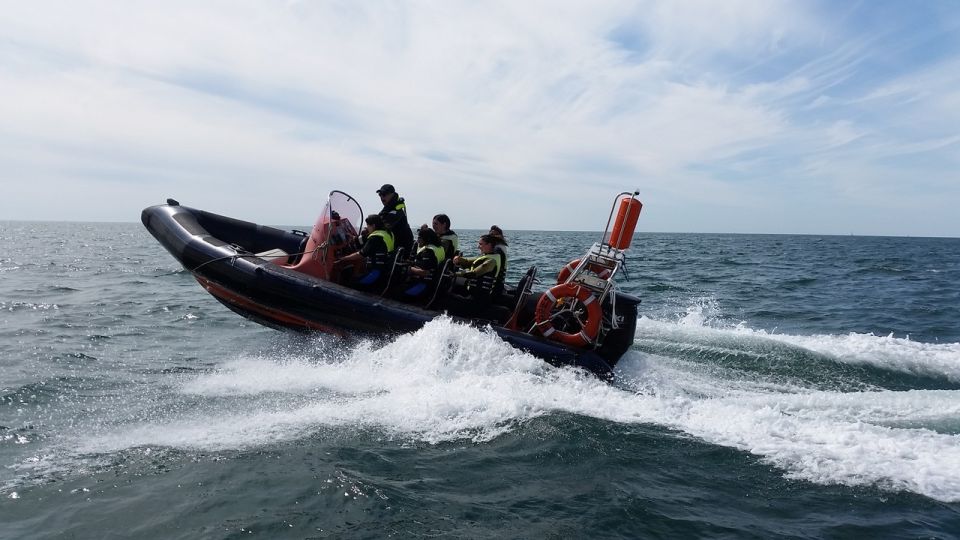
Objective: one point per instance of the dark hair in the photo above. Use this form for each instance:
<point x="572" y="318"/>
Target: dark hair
<point x="375" y="220"/>
<point x="493" y="239"/>
<point x="442" y="218"/>
<point x="497" y="233"/>
<point x="428" y="236"/>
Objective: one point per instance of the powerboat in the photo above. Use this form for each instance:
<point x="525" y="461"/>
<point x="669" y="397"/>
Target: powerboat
<point x="288" y="279"/>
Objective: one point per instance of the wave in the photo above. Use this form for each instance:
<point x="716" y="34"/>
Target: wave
<point x="450" y="382"/>
<point x="818" y="407"/>
<point x="899" y="440"/>
<point x="27" y="306"/>
<point x="902" y="355"/>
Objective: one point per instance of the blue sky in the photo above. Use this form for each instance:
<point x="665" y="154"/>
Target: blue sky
<point x="734" y="116"/>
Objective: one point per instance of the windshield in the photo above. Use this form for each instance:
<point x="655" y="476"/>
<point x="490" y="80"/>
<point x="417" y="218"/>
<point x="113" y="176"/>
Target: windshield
<point x="344" y="211"/>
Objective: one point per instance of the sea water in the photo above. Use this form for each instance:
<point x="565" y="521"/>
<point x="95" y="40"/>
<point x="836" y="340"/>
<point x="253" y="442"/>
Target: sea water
<point x="778" y="386"/>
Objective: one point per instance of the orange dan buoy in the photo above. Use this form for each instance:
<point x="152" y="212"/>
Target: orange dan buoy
<point x="626" y="222"/>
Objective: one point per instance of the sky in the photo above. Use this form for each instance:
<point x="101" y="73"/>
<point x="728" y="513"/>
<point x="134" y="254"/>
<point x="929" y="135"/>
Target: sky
<point x="739" y="116"/>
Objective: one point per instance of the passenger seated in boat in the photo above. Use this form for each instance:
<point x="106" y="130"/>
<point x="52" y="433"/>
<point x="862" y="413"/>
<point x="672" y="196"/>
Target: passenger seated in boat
<point x="480" y="279"/>
<point x="427" y="263"/>
<point x="375" y="256"/>
<point x="500" y="248"/>
<point x="448" y="239"/>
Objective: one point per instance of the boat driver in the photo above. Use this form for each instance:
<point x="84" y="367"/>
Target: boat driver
<point x="376" y="251"/>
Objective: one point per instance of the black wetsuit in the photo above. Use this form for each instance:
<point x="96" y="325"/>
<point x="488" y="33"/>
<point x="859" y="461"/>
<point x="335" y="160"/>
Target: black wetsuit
<point x="394" y="216"/>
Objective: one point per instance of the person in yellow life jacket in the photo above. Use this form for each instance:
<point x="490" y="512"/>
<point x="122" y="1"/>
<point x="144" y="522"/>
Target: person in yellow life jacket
<point x="448" y="239"/>
<point x="394" y="214"/>
<point x="481" y="274"/>
<point x="500" y="248"/>
<point x="426" y="265"/>
<point x="376" y="251"/>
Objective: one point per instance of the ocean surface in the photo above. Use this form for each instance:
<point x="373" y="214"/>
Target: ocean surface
<point x="778" y="387"/>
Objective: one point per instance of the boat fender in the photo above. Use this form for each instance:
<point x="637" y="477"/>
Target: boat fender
<point x="564" y="274"/>
<point x="590" y="328"/>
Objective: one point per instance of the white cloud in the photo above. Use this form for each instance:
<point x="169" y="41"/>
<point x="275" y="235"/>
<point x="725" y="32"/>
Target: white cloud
<point x="239" y="104"/>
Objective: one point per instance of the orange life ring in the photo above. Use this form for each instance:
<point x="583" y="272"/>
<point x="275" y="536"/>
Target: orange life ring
<point x="590" y="327"/>
<point x="564" y="274"/>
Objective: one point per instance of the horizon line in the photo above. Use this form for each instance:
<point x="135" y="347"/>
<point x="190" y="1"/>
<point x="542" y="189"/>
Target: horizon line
<point x="280" y="226"/>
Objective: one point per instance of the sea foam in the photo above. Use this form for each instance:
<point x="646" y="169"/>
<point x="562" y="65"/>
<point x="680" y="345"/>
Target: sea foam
<point x="451" y="382"/>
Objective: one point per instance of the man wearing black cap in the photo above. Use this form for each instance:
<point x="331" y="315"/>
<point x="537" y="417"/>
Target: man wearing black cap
<point x="394" y="215"/>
